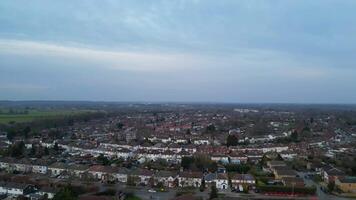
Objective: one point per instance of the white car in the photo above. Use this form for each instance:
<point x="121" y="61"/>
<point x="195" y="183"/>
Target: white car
<point x="151" y="190"/>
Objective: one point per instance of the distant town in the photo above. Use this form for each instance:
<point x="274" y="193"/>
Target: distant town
<point x="178" y="151"/>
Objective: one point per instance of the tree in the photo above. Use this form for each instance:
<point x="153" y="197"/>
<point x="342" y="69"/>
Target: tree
<point x="26" y="131"/>
<point x="231" y="140"/>
<point x="188" y="132"/>
<point x="130" y="181"/>
<point x="17" y="150"/>
<point x="103" y="160"/>
<point x="187" y="162"/>
<point x="46" y="151"/>
<point x="66" y="193"/>
<point x="213" y="192"/>
<point x="11" y="133"/>
<point x="119" y="125"/>
<point x="239" y="168"/>
<point x="56" y="148"/>
<point x="294" y="136"/>
<point x="210" y="128"/>
<point x="331" y="186"/>
<point x="202" y="186"/>
<point x="32" y="151"/>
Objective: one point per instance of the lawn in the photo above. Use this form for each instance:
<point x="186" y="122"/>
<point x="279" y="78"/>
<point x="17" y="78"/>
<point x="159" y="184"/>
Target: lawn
<point x="38" y="114"/>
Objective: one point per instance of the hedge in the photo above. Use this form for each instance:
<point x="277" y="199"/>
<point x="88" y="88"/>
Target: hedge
<point x="303" y="190"/>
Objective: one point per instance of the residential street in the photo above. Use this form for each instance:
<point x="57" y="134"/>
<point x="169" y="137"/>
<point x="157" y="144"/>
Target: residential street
<point x="321" y="194"/>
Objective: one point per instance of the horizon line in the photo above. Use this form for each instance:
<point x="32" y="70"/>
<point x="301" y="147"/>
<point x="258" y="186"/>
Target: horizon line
<point x="184" y="102"/>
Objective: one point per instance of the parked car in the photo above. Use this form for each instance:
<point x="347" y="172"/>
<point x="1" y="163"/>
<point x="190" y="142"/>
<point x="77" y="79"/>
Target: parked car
<point x="151" y="190"/>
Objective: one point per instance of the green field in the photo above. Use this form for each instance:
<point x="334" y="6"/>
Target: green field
<point x="35" y="115"/>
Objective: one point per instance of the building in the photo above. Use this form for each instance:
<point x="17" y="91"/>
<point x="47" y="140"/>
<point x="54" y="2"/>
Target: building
<point x="293" y="181"/>
<point x="57" y="168"/>
<point x="77" y="170"/>
<point x="237" y="180"/>
<point x="47" y="192"/>
<point x="190" y="179"/>
<point x="222" y="181"/>
<point x="330" y="174"/>
<point x="275" y="163"/>
<point x="346" y="184"/>
<point x="165" y="178"/>
<point x="279" y="174"/>
<point x="220" y="158"/>
<point x="103" y="173"/>
<point x="121" y="175"/>
<point x="16" y="189"/>
<point x="142" y="176"/>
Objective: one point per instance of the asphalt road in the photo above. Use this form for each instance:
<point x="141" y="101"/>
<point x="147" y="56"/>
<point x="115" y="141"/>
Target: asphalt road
<point x="321" y="194"/>
<point x="144" y="194"/>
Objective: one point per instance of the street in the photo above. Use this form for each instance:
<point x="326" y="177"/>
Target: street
<point x="321" y="194"/>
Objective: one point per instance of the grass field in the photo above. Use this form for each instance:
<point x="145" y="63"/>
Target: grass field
<point x="35" y="114"/>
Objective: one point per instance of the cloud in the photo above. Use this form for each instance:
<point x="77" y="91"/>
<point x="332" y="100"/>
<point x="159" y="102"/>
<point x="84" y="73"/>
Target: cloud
<point x="244" y="61"/>
<point x="22" y="87"/>
<point x="123" y="60"/>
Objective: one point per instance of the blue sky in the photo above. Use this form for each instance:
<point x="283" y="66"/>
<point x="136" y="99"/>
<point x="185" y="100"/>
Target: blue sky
<point x="296" y="51"/>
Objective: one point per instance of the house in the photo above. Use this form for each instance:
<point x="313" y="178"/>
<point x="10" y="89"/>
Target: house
<point x="293" y="181"/>
<point x="279" y="168"/>
<point x="46" y="191"/>
<point x="201" y="142"/>
<point x="210" y="179"/>
<point x="103" y="173"/>
<point x="222" y="181"/>
<point x="16" y="189"/>
<point x="275" y="163"/>
<point x="142" y="176"/>
<point x="124" y="154"/>
<point x="165" y="178"/>
<point x="190" y="179"/>
<point x="174" y="147"/>
<point x="170" y="156"/>
<point x="275" y="149"/>
<point x="288" y="155"/>
<point x="346" y="184"/>
<point x="254" y="156"/>
<point x="23" y="165"/>
<point x="221" y="169"/>
<point x="122" y="174"/>
<point x="39" y="166"/>
<point x="237" y="180"/>
<point x="5" y="163"/>
<point x="77" y="170"/>
<point x="236" y="158"/>
<point x="279" y="174"/>
<point x="330" y="174"/>
<point x="57" y="168"/>
<point x="220" y="158"/>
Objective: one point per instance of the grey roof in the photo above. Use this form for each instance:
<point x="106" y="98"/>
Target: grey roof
<point x="348" y="179"/>
<point x="78" y="167"/>
<point x="210" y="177"/>
<point x="13" y="185"/>
<point x="165" y="174"/>
<point x="59" y="165"/>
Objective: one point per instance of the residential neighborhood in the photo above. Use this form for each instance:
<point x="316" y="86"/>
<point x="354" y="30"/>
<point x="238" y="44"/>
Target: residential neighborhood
<point x="188" y="151"/>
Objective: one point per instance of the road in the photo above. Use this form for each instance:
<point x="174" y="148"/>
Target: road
<point x="321" y="194"/>
<point x="144" y="194"/>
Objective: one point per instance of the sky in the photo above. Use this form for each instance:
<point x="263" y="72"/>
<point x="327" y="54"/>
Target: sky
<point x="243" y="51"/>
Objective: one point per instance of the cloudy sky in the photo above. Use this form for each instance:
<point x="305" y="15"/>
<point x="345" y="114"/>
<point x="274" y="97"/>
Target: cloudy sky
<point x="296" y="51"/>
